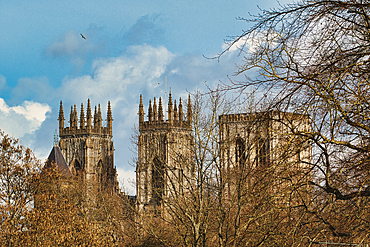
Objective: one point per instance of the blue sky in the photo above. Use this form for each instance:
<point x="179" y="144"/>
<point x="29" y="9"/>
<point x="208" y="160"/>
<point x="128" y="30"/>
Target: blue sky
<point x="130" y="47"/>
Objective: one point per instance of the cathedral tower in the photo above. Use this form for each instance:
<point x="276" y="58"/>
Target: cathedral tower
<point x="258" y="139"/>
<point x="255" y="144"/>
<point x="165" y="163"/>
<point x="87" y="146"/>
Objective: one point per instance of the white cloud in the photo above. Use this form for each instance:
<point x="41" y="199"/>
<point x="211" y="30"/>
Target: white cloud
<point x="22" y="119"/>
<point x="141" y="66"/>
<point x="3" y="106"/>
<point x="33" y="111"/>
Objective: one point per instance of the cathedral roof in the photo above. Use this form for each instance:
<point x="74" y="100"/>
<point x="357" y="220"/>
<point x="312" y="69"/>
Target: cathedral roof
<point x="56" y="158"/>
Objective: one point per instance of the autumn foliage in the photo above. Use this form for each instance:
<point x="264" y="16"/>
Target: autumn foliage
<point x="43" y="208"/>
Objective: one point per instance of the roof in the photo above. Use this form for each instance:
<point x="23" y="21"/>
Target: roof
<point x="56" y="158"/>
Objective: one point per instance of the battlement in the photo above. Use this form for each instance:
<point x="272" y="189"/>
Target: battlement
<point x="268" y="115"/>
<point x="155" y="117"/>
<point x="235" y="117"/>
<point x="85" y="125"/>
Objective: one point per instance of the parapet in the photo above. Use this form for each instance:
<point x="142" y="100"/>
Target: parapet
<point x="155" y="117"/>
<point x="88" y="124"/>
<point x="260" y="116"/>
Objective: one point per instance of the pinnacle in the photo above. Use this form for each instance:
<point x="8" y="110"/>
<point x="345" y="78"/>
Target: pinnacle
<point x="82" y="117"/>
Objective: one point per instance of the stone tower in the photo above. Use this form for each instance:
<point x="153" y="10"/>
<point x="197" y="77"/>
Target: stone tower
<point x="260" y="138"/>
<point x="252" y="142"/>
<point x="87" y="145"/>
<point x="165" y="165"/>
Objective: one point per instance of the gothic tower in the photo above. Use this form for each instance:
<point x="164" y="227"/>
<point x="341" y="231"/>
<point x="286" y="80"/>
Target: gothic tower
<point x="165" y="164"/>
<point x="87" y="146"/>
<point x="260" y="138"/>
<point x="258" y="141"/>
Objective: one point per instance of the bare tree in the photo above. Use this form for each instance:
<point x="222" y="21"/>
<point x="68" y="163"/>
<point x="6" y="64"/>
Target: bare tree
<point x="188" y="195"/>
<point x="234" y="194"/>
<point x="312" y="58"/>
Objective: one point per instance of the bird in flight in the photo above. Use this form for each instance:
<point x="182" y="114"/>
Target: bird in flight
<point x="82" y="36"/>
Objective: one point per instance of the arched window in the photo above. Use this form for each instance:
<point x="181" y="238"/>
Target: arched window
<point x="76" y="167"/>
<point x="240" y="155"/>
<point x="157" y="180"/>
<point x="262" y="152"/>
<point x="101" y="173"/>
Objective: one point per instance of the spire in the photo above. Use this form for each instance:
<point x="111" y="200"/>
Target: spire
<point x="155" y="111"/>
<point x="141" y="110"/>
<point x="150" y="112"/>
<point x="170" y="111"/>
<point x="175" y="117"/>
<point x="189" y="112"/>
<point x="160" y="110"/>
<point x="109" y="119"/>
<point x="88" y="115"/>
<point x="61" y="117"/>
<point x="82" y="117"/>
<point x="180" y="112"/>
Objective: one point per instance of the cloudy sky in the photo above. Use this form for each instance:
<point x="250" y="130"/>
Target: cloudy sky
<point x="130" y="47"/>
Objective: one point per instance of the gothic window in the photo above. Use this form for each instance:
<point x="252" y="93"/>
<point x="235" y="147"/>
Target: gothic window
<point x="76" y="167"/>
<point x="101" y="173"/>
<point x="240" y="155"/>
<point x="262" y="152"/>
<point x="157" y="180"/>
<point x="145" y="179"/>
